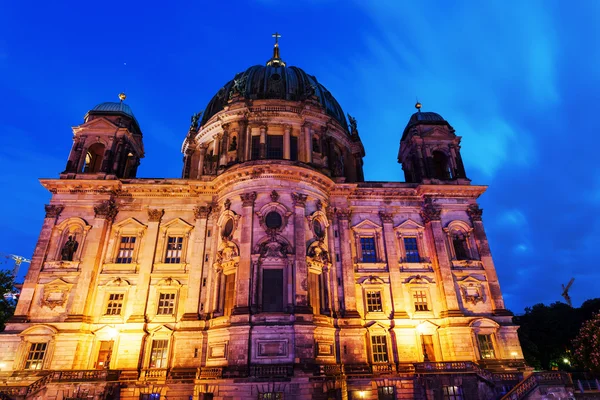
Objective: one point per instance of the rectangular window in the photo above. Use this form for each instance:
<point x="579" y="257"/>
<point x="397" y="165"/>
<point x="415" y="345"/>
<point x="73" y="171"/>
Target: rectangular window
<point x="174" y="246"/>
<point x="486" y="348"/>
<point x="272" y="290"/>
<point x="274" y="146"/>
<point x="150" y="396"/>
<point x="35" y="358"/>
<point x="293" y="148"/>
<point x="270" y="396"/>
<point x="379" y="348"/>
<point x="158" y="354"/>
<point x="452" y="392"/>
<point x="125" y="255"/>
<point x="386" y="393"/>
<point x="166" y="304"/>
<point x="229" y="293"/>
<point x="374" y="301"/>
<point x="115" y="304"/>
<point x="420" y="300"/>
<point x="367" y="245"/>
<point x="412" y="251"/>
<point x="255" y="147"/>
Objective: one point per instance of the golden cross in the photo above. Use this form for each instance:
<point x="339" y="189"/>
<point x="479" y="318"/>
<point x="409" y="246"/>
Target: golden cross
<point x="276" y="35"/>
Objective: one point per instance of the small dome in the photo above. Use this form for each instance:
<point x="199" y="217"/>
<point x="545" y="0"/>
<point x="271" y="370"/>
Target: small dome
<point x="275" y="82"/>
<point x="424" y="118"/>
<point x="111" y="108"/>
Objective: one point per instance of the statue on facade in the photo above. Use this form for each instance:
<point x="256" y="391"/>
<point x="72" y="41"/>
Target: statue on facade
<point x="353" y="125"/>
<point x="68" y="250"/>
<point x="196" y="120"/>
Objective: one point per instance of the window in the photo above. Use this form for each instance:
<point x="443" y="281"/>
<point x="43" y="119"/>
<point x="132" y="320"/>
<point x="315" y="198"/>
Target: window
<point x="115" y="304"/>
<point x="158" y="354"/>
<point x="293" y="148"/>
<point x="255" y="147"/>
<point x="150" y="396"/>
<point x="270" y="396"/>
<point x="35" y="358"/>
<point x="166" y="304"/>
<point x="315" y="145"/>
<point x="411" y="249"/>
<point x="420" y="300"/>
<point x="174" y="246"/>
<point x="272" y="290"/>
<point x="379" y="348"/>
<point x="486" y="348"/>
<point x="452" y="392"/>
<point x="229" y="293"/>
<point x="461" y="250"/>
<point x="274" y="146"/>
<point x="374" y="301"/>
<point x="273" y="220"/>
<point x="386" y="393"/>
<point x="441" y="166"/>
<point x="125" y="254"/>
<point x="367" y="245"/>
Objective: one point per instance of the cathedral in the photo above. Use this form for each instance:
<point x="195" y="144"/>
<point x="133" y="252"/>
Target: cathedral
<point x="271" y="270"/>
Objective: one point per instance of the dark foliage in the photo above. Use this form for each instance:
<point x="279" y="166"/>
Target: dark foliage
<point x="546" y="332"/>
<point x="7" y="304"/>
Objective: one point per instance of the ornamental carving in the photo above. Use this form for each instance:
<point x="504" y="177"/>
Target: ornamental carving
<point x="474" y="212"/>
<point x="319" y="205"/>
<point x="472" y="293"/>
<point x="430" y="212"/>
<point x="227" y="204"/>
<point x="248" y="199"/>
<point x="344" y="214"/>
<point x="201" y="212"/>
<point x="274" y="247"/>
<point x="106" y="210"/>
<point x="386" y="217"/>
<point x="155" y="215"/>
<point x="274" y="196"/>
<point x="228" y="251"/>
<point x="299" y="199"/>
<point x="317" y="252"/>
<point x="55" y="294"/>
<point x="53" y="211"/>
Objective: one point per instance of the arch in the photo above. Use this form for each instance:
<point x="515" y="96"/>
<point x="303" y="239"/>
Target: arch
<point x="225" y="216"/>
<point x="39" y="330"/>
<point x="93" y="158"/>
<point x="441" y="165"/>
<point x="279" y="208"/>
<point x="459" y="240"/>
<point x="69" y="237"/>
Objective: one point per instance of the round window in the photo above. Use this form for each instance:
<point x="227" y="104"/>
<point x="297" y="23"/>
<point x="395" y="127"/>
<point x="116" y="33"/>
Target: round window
<point x="318" y="229"/>
<point x="273" y="220"/>
<point x="228" y="228"/>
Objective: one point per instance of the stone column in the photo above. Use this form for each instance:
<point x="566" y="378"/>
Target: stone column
<point x="392" y="262"/>
<point x="37" y="260"/>
<point x="248" y="144"/>
<point x="325" y="293"/>
<point x="486" y="259"/>
<point x="211" y="290"/>
<point x="286" y="142"/>
<point x="262" y="149"/>
<point x="224" y="144"/>
<point x="202" y="151"/>
<point x="241" y="138"/>
<point x="146" y="261"/>
<point x="91" y="258"/>
<point x="197" y="241"/>
<point x="81" y="153"/>
<point x="301" y="305"/>
<point x="217" y="147"/>
<point x="443" y="270"/>
<point x="333" y="285"/>
<point x="343" y="217"/>
<point x="242" y="292"/>
<point x="308" y="142"/>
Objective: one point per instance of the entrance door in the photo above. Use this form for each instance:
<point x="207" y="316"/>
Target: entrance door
<point x="104" y="354"/>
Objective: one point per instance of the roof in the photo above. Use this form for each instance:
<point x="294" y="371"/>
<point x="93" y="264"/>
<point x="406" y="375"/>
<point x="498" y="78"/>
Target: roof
<point x="424" y="118"/>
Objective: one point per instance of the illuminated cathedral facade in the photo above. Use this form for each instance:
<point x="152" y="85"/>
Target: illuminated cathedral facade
<point x="270" y="270"/>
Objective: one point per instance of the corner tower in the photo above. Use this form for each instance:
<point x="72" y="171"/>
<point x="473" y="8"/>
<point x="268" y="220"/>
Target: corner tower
<point x="430" y="151"/>
<point x="107" y="145"/>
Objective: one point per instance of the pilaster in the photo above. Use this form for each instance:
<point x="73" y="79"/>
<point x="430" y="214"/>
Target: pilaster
<point x="242" y="293"/>
<point x="392" y="262"/>
<point x="301" y="305"/>
<point x="349" y="311"/>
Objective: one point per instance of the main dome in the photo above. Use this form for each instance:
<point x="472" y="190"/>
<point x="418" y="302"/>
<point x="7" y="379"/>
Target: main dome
<point x="275" y="82"/>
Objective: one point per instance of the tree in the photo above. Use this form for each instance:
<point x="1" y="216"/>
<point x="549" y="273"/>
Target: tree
<point x="7" y="303"/>
<point x="586" y="346"/>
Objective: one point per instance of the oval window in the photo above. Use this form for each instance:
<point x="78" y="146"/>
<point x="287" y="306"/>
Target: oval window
<point x="273" y="220"/>
<point x="228" y="228"/>
<point x="318" y="229"/>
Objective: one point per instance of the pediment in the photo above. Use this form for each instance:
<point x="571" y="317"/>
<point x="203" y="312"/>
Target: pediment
<point x="162" y="330"/>
<point x="370" y="280"/>
<point x="129" y="223"/>
<point x="169" y="282"/>
<point x="484" y="323"/>
<point x="177" y="223"/>
<point x="377" y="326"/>
<point x="39" y="330"/>
<point x="473" y="278"/>
<point x="409" y="224"/>
<point x="97" y="124"/>
<point x="58" y="283"/>
<point x="438" y="133"/>
<point x="418" y="279"/>
<point x="427" y="327"/>
<point x="118" y="282"/>
<point x="366" y="225"/>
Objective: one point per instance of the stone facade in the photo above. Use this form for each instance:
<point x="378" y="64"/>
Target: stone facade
<point x="270" y="270"/>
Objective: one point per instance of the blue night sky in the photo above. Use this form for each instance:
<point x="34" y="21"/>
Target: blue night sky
<point x="518" y="80"/>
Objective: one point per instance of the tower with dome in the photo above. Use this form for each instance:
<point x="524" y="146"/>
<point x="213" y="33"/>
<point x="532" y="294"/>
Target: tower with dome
<point x="272" y="269"/>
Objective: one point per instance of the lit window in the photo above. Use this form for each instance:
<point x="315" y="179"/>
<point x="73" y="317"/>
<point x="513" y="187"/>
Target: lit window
<point x="35" y="358"/>
<point x="270" y="396"/>
<point x="158" y="354"/>
<point x="486" y="348"/>
<point x="411" y="249"/>
<point x="115" y="304"/>
<point x="174" y="246"/>
<point x="150" y="396"/>
<point x="125" y="255"/>
<point x="379" y="348"/>
<point x="374" y="301"/>
<point x="367" y="245"/>
<point x="386" y="393"/>
<point x="420" y="300"/>
<point x="452" y="392"/>
<point x="166" y="304"/>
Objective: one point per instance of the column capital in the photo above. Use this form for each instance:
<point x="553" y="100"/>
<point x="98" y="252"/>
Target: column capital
<point x="287" y="128"/>
<point x="217" y="136"/>
<point x="430" y="212"/>
<point x="155" y="215"/>
<point x="344" y="214"/>
<point x="299" y="199"/>
<point x="202" y="212"/>
<point x="386" y="217"/>
<point x="475" y="212"/>
<point x="248" y="199"/>
<point x="106" y="210"/>
<point x="53" y="211"/>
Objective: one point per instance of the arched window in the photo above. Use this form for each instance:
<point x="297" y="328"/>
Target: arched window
<point x="315" y="145"/>
<point x="461" y="248"/>
<point x="441" y="166"/>
<point x="93" y="158"/>
<point x="233" y="144"/>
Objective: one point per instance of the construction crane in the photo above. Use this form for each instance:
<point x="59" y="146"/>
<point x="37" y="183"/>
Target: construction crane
<point x="18" y="261"/>
<point x="565" y="292"/>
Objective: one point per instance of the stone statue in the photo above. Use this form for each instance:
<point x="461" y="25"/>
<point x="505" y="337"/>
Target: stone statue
<point x="233" y="144"/>
<point x="196" y="120"/>
<point x="353" y="128"/>
<point x="69" y="249"/>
